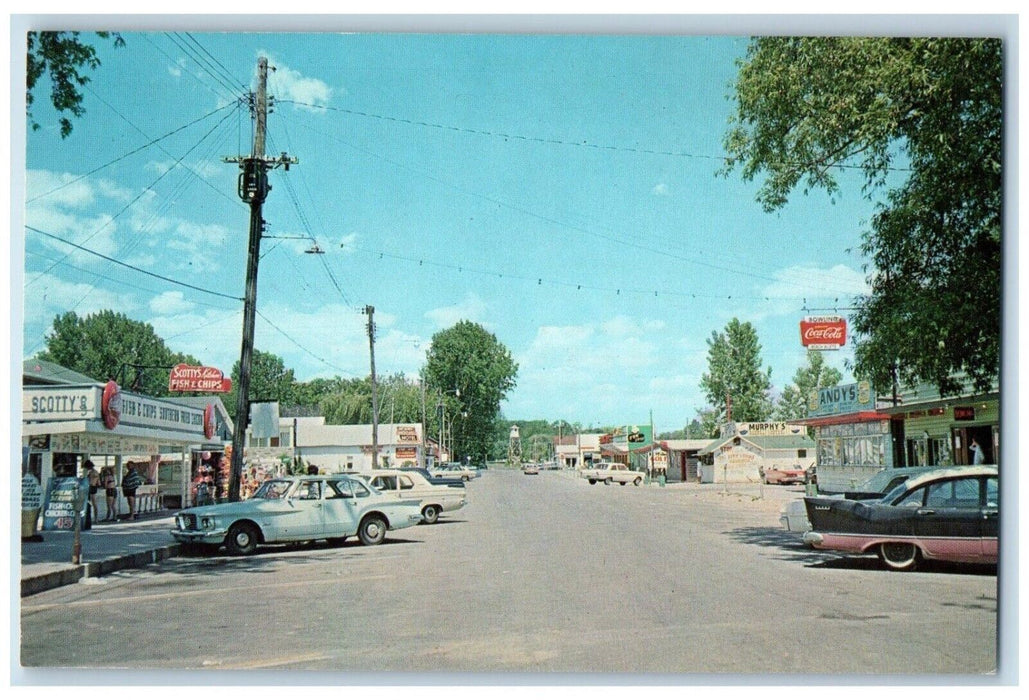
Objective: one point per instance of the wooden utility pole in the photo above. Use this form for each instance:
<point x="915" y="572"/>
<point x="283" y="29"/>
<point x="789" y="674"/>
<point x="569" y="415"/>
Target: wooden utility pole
<point x="370" y="310"/>
<point x="253" y="189"/>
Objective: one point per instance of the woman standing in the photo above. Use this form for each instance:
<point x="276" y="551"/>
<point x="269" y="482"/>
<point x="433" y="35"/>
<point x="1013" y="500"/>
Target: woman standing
<point x="93" y="476"/>
<point x="110" y="485"/>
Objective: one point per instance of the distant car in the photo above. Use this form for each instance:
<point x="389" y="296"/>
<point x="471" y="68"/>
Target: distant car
<point x="455" y="481"/>
<point x="531" y="469"/>
<point x="455" y="469"/>
<point x="611" y="473"/>
<point x="949" y="514"/>
<point x="793" y="515"/>
<point x="783" y="475"/>
<point x="297" y="509"/>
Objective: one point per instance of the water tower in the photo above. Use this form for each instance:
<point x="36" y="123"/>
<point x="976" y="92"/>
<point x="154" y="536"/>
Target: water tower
<point x="514" y="447"/>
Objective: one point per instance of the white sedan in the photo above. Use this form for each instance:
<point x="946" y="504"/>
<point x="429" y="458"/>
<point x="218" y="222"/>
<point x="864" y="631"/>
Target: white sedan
<point x="297" y="509"/>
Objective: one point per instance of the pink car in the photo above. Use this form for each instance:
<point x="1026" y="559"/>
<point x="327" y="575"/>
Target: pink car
<point x="783" y="475"/>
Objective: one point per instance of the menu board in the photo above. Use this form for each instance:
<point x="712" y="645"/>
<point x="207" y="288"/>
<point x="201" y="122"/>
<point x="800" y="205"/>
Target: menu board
<point x="59" y="506"/>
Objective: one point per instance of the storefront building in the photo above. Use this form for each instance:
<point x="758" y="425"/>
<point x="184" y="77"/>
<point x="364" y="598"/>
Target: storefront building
<point x="854" y="437"/>
<point x="939" y="430"/>
<point x="743" y="449"/>
<point x="682" y="458"/>
<point x="63" y="425"/>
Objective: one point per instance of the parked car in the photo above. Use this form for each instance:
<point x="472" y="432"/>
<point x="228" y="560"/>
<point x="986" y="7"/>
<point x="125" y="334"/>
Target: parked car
<point x="612" y="472"/>
<point x="296" y="509"/>
<point x="456" y="482"/>
<point x="949" y="514"/>
<point x="793" y="515"/>
<point x="434" y="498"/>
<point x="455" y="469"/>
<point x="783" y="475"/>
<point x="531" y="468"/>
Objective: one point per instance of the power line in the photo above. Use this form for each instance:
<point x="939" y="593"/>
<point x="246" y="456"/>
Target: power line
<point x="132" y="267"/>
<point x="301" y="347"/>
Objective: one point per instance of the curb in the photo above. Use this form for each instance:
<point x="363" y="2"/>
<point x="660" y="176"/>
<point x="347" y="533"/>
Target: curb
<point x="73" y="574"/>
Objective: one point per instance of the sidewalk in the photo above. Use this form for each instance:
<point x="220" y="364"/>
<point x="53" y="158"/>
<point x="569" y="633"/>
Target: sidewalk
<point x="105" y="548"/>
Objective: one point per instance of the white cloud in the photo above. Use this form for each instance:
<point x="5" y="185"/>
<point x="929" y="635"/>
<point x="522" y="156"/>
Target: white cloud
<point x="287" y="84"/>
<point x="471" y="308"/>
<point x="170" y="303"/>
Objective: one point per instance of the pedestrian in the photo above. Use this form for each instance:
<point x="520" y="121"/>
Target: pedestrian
<point x="977" y="453"/>
<point x="129" y="483"/>
<point x="312" y="469"/>
<point x="93" y="477"/>
<point x="110" y="485"/>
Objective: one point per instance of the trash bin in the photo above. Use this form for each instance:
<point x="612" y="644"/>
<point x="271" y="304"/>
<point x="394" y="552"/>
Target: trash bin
<point x="810" y="489"/>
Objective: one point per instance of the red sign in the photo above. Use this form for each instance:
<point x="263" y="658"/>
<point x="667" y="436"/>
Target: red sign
<point x="110" y="405"/>
<point x="192" y="378"/>
<point x="209" y="422"/>
<point x="964" y="413"/>
<point x="823" y="332"/>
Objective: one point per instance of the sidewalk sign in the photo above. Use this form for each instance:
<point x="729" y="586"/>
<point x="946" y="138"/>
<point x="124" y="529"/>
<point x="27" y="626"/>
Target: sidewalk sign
<point x="59" y="506"/>
<point x="31" y="503"/>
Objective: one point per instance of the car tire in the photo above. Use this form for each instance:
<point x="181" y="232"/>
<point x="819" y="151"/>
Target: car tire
<point x="372" y="530"/>
<point x="592" y="481"/>
<point x="430" y="514"/>
<point x="637" y="481"/>
<point x="242" y="539"/>
<point x="464" y="478"/>
<point x="607" y="481"/>
<point x="899" y="556"/>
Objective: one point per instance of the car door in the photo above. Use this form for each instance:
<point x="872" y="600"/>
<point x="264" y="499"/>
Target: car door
<point x="306" y="501"/>
<point x="340" y="509"/>
<point x="950" y="521"/>
<point x="990" y="521"/>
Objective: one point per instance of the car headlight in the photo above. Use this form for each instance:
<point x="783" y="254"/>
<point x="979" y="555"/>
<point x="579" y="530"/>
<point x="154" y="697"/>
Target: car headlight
<point x="207" y="523"/>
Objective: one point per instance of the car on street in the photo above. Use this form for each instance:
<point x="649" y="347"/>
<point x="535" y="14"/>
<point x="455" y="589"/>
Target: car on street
<point x="779" y="474"/>
<point x="793" y="515"/>
<point x="531" y="468"/>
<point x="434" y="498"/>
<point x="612" y="473"/>
<point x="456" y="482"/>
<point x="455" y="470"/>
<point x="297" y="509"/>
<point x="949" y="514"/>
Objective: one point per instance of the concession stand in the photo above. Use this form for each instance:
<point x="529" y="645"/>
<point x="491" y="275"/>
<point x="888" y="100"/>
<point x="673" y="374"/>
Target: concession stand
<point x="63" y="425"/>
<point x="742" y="449"/>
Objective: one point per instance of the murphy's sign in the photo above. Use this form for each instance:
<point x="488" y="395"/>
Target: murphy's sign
<point x="823" y="332"/>
<point x="841" y="400"/>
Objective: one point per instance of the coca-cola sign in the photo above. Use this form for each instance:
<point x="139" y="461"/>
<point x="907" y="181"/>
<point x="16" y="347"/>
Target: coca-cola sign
<point x="192" y="378"/>
<point x="823" y="332"/>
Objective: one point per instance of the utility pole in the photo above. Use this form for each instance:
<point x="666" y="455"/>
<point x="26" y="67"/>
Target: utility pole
<point x="370" y="310"/>
<point x="253" y="189"/>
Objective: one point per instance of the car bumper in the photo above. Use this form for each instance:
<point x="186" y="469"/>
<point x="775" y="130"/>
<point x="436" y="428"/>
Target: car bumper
<point x="206" y="537"/>
<point x="813" y="538"/>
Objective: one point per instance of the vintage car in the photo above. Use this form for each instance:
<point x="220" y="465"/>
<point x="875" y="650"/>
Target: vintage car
<point x="297" y="509"/>
<point x="456" y="482"/>
<point x="612" y="472"/>
<point x="949" y="514"/>
<point x="793" y="515"/>
<point x="455" y="470"/>
<point x="434" y="498"/>
<point x="783" y="474"/>
<point x="531" y="468"/>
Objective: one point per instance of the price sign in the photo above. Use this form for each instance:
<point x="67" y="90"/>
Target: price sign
<point x="62" y="496"/>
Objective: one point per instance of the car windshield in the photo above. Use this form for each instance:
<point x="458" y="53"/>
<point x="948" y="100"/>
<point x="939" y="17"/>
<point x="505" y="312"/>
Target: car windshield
<point x="273" y="490"/>
<point x="894" y="493"/>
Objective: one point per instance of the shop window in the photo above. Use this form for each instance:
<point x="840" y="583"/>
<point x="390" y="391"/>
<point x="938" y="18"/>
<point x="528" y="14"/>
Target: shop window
<point x="801" y="454"/>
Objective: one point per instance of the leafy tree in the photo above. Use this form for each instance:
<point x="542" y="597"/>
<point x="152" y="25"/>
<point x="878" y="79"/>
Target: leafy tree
<point x="106" y="345"/>
<point x="928" y="109"/>
<point x="400" y="401"/>
<point x="63" y="56"/>
<point x="269" y="381"/>
<point x="734" y="370"/>
<point x="469" y="372"/>
<point x="816" y="375"/>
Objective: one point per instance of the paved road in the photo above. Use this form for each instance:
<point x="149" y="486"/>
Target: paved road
<point x="537" y="574"/>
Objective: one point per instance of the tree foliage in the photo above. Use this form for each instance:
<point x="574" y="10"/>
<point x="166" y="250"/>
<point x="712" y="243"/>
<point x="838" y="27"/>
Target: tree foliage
<point x="816" y="375"/>
<point x="63" y="57"/>
<point x="734" y="370"/>
<point x="468" y="372"/>
<point x="269" y="381"/>
<point x="110" y="345"/>
<point x="926" y="108"/>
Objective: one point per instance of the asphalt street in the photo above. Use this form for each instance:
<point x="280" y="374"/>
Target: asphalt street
<point x="538" y="574"/>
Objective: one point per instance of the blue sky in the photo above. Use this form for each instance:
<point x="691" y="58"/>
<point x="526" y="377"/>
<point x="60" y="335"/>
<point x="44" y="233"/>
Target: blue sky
<point x="562" y="191"/>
